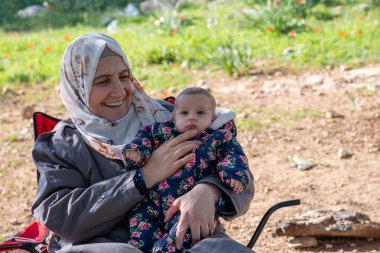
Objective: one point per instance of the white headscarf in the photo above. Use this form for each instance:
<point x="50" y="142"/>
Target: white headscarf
<point x="78" y="69"/>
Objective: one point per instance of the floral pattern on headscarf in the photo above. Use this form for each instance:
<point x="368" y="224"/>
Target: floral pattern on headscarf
<point x="78" y="69"/>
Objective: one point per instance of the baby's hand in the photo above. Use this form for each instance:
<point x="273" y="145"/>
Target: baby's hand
<point x="236" y="185"/>
<point x="132" y="155"/>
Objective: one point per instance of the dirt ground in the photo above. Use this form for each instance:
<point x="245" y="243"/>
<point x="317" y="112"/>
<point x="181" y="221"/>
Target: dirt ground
<point x="287" y="114"/>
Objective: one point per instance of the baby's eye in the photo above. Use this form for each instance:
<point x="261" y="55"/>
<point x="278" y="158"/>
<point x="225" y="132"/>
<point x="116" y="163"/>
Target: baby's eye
<point x="184" y="113"/>
<point x="201" y="112"/>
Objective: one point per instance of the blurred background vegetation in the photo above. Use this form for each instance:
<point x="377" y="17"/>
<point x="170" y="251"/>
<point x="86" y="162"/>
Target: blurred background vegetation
<point x="172" y="44"/>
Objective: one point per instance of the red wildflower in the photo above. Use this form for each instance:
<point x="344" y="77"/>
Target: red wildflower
<point x="292" y="33"/>
<point x="360" y="18"/>
<point x="165" y="94"/>
<point x="342" y="34"/>
<point x="174" y="31"/>
<point x="181" y="17"/>
<point x="66" y="37"/>
<point x="31" y="46"/>
<point x="48" y="49"/>
<point x="317" y="30"/>
<point x="278" y="1"/>
<point x="301" y="1"/>
<point x="6" y="56"/>
<point x="269" y="29"/>
<point x="360" y="32"/>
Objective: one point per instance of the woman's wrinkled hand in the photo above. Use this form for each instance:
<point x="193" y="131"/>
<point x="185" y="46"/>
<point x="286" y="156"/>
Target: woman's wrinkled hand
<point x="169" y="157"/>
<point x="197" y="209"/>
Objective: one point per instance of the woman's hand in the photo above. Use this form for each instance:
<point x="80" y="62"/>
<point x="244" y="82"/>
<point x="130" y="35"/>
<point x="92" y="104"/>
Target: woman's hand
<point x="169" y="157"/>
<point x="197" y="209"/>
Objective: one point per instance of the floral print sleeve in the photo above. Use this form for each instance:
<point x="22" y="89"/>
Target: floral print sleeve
<point x="143" y="143"/>
<point x="233" y="163"/>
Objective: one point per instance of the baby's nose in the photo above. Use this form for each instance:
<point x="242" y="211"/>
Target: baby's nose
<point x="192" y="117"/>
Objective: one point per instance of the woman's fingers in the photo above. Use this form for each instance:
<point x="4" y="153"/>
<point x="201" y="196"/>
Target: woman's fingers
<point x="195" y="231"/>
<point x="173" y="209"/>
<point x="183" y="149"/>
<point x="181" y="162"/>
<point x="180" y="234"/>
<point x="197" y="209"/>
<point x="182" y="137"/>
<point x="205" y="230"/>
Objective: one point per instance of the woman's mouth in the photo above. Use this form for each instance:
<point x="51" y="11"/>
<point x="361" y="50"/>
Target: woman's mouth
<point x="113" y="104"/>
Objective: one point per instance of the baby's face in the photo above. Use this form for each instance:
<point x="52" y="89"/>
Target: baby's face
<point x="193" y="111"/>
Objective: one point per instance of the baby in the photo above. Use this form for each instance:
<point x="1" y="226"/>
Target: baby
<point x="220" y="154"/>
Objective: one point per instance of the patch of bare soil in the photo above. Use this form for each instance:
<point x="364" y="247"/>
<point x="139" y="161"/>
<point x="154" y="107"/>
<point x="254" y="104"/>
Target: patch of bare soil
<point x="311" y="115"/>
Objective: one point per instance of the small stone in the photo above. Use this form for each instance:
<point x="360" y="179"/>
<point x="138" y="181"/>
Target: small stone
<point x="200" y="83"/>
<point x="300" y="163"/>
<point x="184" y="64"/>
<point x="27" y="112"/>
<point x="302" y="242"/>
<point x="300" y="148"/>
<point x="15" y="222"/>
<point x="333" y="114"/>
<point x="344" y="154"/>
<point x="328" y="246"/>
<point x="353" y="245"/>
<point x="288" y="50"/>
<point x="313" y="80"/>
<point x="278" y="73"/>
<point x="344" y="68"/>
<point x="6" y="90"/>
<point x="370" y="239"/>
<point x="172" y="90"/>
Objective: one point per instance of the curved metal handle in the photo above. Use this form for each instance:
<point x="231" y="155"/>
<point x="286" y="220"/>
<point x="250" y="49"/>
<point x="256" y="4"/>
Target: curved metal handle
<point x="266" y="216"/>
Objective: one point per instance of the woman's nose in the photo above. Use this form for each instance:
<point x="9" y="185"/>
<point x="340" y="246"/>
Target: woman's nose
<point x="118" y="89"/>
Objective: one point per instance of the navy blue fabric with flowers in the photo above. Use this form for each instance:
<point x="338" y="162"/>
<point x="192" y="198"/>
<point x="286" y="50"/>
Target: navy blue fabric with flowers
<point x="220" y="155"/>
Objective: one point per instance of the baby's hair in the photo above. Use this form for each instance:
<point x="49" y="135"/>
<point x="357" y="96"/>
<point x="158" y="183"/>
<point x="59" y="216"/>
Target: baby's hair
<point x="196" y="91"/>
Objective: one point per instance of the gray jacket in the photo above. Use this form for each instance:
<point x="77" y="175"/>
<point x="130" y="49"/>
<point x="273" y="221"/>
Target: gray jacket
<point x="82" y="195"/>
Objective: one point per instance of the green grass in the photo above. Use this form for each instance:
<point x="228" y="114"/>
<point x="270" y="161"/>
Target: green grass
<point x="351" y="38"/>
<point x="256" y="119"/>
<point x="12" y="138"/>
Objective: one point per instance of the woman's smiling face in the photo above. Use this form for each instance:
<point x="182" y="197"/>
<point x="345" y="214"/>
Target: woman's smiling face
<point x="111" y="92"/>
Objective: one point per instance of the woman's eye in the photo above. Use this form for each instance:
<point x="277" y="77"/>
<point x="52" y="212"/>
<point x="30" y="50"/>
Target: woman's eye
<point x="124" y="77"/>
<point x="102" y="82"/>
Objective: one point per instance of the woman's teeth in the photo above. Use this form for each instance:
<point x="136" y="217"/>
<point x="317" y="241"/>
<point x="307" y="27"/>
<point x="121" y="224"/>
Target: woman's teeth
<point x="113" y="104"/>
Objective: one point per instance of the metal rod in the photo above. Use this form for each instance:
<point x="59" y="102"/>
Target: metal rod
<point x="266" y="216"/>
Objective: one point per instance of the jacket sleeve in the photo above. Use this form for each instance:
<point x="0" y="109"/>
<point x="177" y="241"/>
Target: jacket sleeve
<point x="235" y="204"/>
<point x="233" y="163"/>
<point x="75" y="199"/>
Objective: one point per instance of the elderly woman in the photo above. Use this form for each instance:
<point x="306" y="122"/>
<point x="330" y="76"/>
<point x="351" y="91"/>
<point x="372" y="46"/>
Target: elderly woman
<point x="85" y="192"/>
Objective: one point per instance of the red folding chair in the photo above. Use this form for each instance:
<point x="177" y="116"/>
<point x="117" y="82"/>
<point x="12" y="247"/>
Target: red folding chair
<point x="33" y="238"/>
